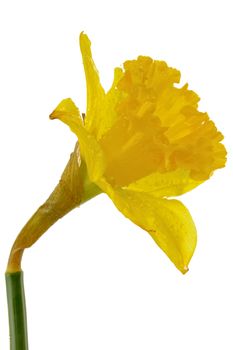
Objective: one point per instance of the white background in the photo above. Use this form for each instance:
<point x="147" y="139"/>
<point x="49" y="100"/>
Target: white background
<point x="95" y="280"/>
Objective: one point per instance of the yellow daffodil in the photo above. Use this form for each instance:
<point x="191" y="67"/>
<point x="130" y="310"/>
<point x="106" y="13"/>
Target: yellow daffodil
<point x="144" y="141"/>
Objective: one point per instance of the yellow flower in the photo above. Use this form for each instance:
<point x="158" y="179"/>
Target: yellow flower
<point x="144" y="141"/>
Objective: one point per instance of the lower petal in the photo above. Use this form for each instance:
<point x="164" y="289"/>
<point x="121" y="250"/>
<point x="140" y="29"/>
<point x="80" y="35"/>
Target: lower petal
<point x="167" y="221"/>
<point x="168" y="184"/>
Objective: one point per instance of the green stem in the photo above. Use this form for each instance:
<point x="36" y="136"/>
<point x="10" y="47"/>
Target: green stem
<point x="17" y="311"/>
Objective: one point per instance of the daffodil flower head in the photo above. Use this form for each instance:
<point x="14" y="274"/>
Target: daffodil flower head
<point x="144" y="141"/>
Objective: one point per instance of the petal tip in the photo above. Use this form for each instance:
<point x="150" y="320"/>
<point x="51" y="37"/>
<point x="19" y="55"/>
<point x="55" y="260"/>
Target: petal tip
<point x="184" y="269"/>
<point x="66" y="105"/>
<point x="53" y="115"/>
<point x="84" y="41"/>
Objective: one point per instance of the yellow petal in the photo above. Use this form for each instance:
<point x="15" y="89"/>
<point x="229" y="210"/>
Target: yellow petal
<point x="95" y="92"/>
<point x="169" y="184"/>
<point x="167" y="221"/>
<point x="69" y="114"/>
<point x="108" y="114"/>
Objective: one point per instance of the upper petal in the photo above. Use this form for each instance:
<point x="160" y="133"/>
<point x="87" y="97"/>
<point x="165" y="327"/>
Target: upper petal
<point x="167" y="221"/>
<point x="68" y="113"/>
<point x="95" y="91"/>
<point x="108" y="113"/>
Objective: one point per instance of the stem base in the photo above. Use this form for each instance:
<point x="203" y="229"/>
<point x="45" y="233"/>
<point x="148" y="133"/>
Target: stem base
<point x="16" y="311"/>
